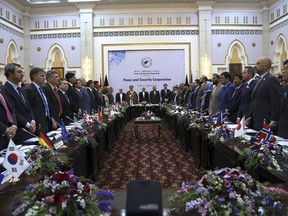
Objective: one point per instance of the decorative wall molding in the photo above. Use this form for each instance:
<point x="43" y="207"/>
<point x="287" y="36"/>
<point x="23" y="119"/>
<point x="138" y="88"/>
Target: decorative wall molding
<point x="58" y="35"/>
<point x="236" y="32"/>
<point x="279" y="26"/>
<point x="145" y="33"/>
<point x="11" y="30"/>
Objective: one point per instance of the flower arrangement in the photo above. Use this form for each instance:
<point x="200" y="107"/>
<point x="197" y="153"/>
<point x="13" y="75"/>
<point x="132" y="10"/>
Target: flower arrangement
<point x="265" y="153"/>
<point x="92" y="123"/>
<point x="201" y="122"/>
<point x="148" y="115"/>
<point x="228" y="191"/>
<point x="221" y="134"/>
<point x="64" y="194"/>
<point x="41" y="159"/>
<point x="77" y="134"/>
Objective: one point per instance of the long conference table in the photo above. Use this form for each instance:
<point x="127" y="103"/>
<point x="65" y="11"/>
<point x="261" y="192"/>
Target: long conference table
<point x="88" y="160"/>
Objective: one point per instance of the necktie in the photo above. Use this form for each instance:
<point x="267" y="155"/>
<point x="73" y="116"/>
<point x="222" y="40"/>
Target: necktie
<point x="236" y="89"/>
<point x="257" y="83"/>
<point x="66" y="96"/>
<point x="58" y="99"/>
<point x="9" y="116"/>
<point x="120" y="97"/>
<point x="21" y="95"/>
<point x="47" y="112"/>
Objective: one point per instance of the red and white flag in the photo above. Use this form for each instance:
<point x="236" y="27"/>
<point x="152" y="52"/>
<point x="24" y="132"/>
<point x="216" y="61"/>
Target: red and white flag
<point x="15" y="161"/>
<point x="239" y="130"/>
<point x="266" y="134"/>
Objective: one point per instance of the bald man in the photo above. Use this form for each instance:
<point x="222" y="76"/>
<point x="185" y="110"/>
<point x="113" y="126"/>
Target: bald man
<point x="265" y="98"/>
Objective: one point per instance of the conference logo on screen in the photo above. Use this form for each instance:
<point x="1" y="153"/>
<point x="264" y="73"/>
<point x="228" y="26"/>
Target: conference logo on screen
<point x="146" y="62"/>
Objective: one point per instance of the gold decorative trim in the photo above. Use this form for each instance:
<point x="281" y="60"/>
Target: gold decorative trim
<point x="52" y="46"/>
<point x="1" y="40"/>
<point x="228" y="48"/>
<point x="146" y="44"/>
<point x="38" y="49"/>
<point x="253" y="44"/>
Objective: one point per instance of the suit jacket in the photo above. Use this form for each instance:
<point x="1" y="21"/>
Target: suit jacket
<point x="80" y="97"/>
<point x="283" y="123"/>
<point x="4" y="122"/>
<point x="154" y="97"/>
<point x="73" y="97"/>
<point x="245" y="103"/>
<point x="214" y="99"/>
<point x="87" y="101"/>
<point x="53" y="102"/>
<point x="23" y="111"/>
<point x="166" y="95"/>
<point x="233" y="104"/>
<point x="110" y="97"/>
<point x="67" y="109"/>
<point x="37" y="105"/>
<point x="118" y="97"/>
<point x="145" y="98"/>
<point x="225" y="96"/>
<point x="266" y="98"/>
<point x="98" y="98"/>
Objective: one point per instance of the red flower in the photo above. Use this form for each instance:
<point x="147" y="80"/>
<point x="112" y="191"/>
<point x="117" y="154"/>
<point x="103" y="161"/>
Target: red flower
<point x="59" y="199"/>
<point x="204" y="181"/>
<point x="62" y="176"/>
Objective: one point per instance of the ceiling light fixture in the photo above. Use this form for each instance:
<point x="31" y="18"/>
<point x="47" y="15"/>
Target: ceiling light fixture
<point x="44" y="2"/>
<point x="79" y="1"/>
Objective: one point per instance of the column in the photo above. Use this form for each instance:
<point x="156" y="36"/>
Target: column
<point x="265" y="29"/>
<point x="87" y="40"/>
<point x="205" y="44"/>
<point x="26" y="44"/>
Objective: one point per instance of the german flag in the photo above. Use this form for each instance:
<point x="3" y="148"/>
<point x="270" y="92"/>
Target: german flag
<point x="45" y="141"/>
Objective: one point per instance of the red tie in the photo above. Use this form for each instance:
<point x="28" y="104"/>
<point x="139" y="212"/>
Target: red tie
<point x="58" y="99"/>
<point x="9" y="116"/>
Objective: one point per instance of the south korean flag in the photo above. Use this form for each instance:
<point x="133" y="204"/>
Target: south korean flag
<point x="15" y="161"/>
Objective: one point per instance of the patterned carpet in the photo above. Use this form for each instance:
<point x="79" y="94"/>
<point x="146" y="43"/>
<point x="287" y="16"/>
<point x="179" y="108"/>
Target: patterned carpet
<point x="149" y="158"/>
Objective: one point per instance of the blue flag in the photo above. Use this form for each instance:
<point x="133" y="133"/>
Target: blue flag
<point x="64" y="131"/>
<point x="1" y="178"/>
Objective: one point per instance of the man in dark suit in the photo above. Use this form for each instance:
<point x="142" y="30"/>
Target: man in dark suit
<point x="93" y="103"/>
<point x="283" y="123"/>
<point x="143" y="95"/>
<point x="110" y="95"/>
<point x="50" y="89"/>
<point x="165" y="94"/>
<point x="196" y="96"/>
<point x="80" y="95"/>
<point x="120" y="96"/>
<point x="154" y="96"/>
<point x="24" y="115"/>
<point x="266" y="97"/>
<point x="249" y="84"/>
<point x="8" y="122"/>
<point x="227" y="90"/>
<point x="38" y="100"/>
<point x="67" y="114"/>
<point x="87" y="102"/>
<point x="72" y="94"/>
<point x="233" y="105"/>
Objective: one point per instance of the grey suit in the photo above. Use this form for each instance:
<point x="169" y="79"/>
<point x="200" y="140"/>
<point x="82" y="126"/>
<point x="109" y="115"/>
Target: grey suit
<point x="265" y="103"/>
<point x="215" y="99"/>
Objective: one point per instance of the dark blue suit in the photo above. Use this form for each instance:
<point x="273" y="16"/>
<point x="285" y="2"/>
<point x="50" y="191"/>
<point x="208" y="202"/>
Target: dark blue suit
<point x="145" y="98"/>
<point x="225" y="96"/>
<point x="22" y="109"/>
<point x="4" y="123"/>
<point x="283" y="123"/>
<point x="246" y="99"/>
<point x="234" y="103"/>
